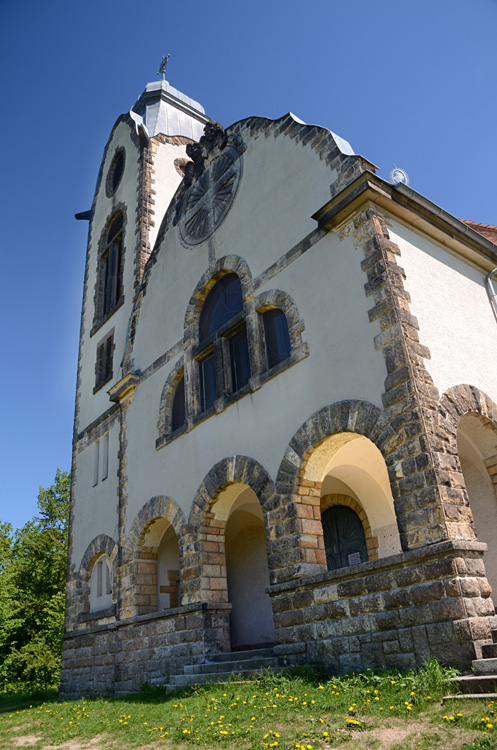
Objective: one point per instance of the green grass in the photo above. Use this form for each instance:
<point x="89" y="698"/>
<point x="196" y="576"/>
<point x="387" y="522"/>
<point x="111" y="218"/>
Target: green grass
<point x="387" y="711"/>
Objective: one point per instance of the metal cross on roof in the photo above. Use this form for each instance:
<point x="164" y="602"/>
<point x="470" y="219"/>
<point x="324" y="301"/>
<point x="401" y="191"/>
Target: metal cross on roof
<point x="162" y="69"/>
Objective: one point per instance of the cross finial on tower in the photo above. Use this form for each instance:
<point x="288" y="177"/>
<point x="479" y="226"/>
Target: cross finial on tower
<point x="162" y="69"/>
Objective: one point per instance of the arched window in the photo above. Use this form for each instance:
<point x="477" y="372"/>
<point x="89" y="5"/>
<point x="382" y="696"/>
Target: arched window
<point x="101" y="585"/>
<point x="178" y="412"/>
<point x="276" y="336"/>
<point x="224" y="364"/>
<point x="110" y="270"/>
<point x="344" y="538"/>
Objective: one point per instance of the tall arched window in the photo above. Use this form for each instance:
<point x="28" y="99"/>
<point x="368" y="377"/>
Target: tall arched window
<point x="178" y="414"/>
<point x="224" y="364"/>
<point x="110" y="272"/>
<point x="101" y="585"/>
<point x="276" y="336"/>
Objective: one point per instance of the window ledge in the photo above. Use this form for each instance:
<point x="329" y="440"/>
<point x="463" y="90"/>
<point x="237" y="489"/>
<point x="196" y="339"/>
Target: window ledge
<point x="222" y="403"/>
<point x="99" y="614"/>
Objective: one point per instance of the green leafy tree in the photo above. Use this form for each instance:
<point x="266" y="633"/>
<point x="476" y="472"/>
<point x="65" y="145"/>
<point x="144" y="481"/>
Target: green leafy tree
<point x="32" y="586"/>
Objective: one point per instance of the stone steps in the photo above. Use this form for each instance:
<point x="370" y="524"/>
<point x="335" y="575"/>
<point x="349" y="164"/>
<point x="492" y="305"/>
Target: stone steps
<point x="483" y="682"/>
<point x="221" y="667"/>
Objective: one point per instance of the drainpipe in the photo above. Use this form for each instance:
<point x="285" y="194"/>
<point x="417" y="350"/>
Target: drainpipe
<point x="491" y="290"/>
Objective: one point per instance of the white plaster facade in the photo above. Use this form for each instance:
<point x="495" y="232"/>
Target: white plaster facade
<point x="302" y="227"/>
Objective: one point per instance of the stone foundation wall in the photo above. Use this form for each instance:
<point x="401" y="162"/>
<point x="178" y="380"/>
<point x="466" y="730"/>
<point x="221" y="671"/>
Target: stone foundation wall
<point x="121" y="656"/>
<point x="396" y="612"/>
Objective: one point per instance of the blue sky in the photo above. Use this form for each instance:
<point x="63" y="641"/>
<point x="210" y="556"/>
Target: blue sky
<point x="411" y="84"/>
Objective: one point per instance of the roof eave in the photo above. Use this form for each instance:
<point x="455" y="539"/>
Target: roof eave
<point x="405" y="203"/>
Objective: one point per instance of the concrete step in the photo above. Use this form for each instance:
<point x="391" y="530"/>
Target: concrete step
<point x="231" y="666"/>
<point x="489" y="650"/>
<point x="186" y="680"/>
<point x="470" y="697"/>
<point x="484" y="666"/>
<point x="476" y="684"/>
<point x="249" y="653"/>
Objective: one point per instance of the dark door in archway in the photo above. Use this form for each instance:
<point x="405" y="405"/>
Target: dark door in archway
<point x="344" y="539"/>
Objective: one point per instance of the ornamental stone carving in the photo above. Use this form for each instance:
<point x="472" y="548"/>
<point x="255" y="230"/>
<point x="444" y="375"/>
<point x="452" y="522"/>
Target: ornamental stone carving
<point x="210" y="184"/>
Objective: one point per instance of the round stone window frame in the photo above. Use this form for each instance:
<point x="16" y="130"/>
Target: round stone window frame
<point x="119" y="159"/>
<point x="210" y="189"/>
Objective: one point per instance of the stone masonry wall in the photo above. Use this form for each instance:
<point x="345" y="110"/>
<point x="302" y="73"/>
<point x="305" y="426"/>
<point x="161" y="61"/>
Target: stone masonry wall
<point x="120" y="657"/>
<point x="391" y="613"/>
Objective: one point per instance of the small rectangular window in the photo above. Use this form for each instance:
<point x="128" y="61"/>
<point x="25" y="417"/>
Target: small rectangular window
<point x="208" y="381"/>
<point x="240" y="362"/>
<point x="108" y="584"/>
<point x="96" y="451"/>
<point x="103" y="365"/>
<point x="100" y="571"/>
<point x="105" y="456"/>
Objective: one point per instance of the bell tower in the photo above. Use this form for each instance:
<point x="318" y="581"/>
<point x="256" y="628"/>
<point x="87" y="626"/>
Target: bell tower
<point x="142" y="167"/>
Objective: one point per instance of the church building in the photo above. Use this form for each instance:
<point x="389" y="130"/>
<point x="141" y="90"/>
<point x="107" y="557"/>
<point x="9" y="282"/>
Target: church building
<point x="285" y="436"/>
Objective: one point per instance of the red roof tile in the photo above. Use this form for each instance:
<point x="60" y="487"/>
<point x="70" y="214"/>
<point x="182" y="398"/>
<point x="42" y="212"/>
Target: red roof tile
<point x="486" y="230"/>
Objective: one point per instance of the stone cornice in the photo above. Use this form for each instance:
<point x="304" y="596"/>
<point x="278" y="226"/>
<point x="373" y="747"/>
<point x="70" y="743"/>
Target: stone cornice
<point x="413" y="208"/>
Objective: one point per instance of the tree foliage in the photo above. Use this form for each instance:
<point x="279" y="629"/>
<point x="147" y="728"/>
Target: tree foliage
<point x="32" y="585"/>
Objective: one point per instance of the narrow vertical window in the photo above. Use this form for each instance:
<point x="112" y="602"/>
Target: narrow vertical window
<point x="105" y="456"/>
<point x="104" y="363"/>
<point x="240" y="363"/>
<point x="96" y="451"/>
<point x="100" y="566"/>
<point x="178" y="410"/>
<point x="277" y="337"/>
<point x="208" y="381"/>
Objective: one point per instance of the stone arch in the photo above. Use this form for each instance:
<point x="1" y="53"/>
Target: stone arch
<point x="228" y="561"/>
<point x="350" y="428"/>
<point x="355" y="416"/>
<point x="460" y="400"/>
<point x="99" y="546"/>
<point x="469" y="418"/>
<point x="221" y="267"/>
<point x="141" y="559"/>
<point x="164" y="424"/>
<point x="275" y="298"/>
<point x="232" y="470"/>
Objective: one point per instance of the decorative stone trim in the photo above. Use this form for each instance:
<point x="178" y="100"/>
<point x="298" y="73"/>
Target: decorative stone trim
<point x="430" y="501"/>
<point x="372" y="543"/>
<point x="277" y="299"/>
<point x="204" y="559"/>
<point x="221" y="267"/>
<point x="139" y="579"/>
<point x="456" y="403"/>
<point x="164" y="424"/>
<point x="78" y="605"/>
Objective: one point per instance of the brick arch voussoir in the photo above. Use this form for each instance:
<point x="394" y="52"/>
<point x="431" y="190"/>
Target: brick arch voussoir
<point x="355" y="416"/>
<point x="164" y="424"/>
<point x="221" y="267"/>
<point x="276" y="298"/>
<point x="155" y="508"/>
<point x="100" y="545"/>
<point x="461" y="400"/>
<point x="231" y="470"/>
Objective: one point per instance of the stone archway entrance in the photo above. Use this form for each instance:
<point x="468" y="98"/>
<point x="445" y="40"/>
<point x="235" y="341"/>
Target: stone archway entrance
<point x="247" y="572"/>
<point x="477" y="448"/>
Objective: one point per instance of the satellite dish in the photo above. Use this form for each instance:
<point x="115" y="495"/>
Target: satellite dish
<point x="399" y="177"/>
